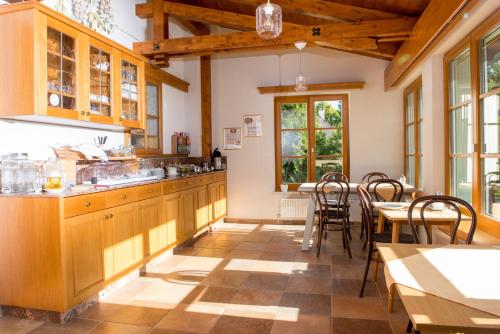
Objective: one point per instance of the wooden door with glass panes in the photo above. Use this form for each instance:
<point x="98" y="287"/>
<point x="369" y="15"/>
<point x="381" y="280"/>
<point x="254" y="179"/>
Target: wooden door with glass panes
<point x="63" y="74"/>
<point x="100" y="102"/>
<point x="131" y="74"/>
<point x="148" y="140"/>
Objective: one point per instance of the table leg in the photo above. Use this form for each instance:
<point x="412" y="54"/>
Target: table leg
<point x="396" y="227"/>
<point x="311" y="207"/>
<point x="380" y="224"/>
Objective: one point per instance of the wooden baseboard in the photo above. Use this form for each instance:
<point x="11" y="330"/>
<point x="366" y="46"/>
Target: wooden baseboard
<point x="264" y="221"/>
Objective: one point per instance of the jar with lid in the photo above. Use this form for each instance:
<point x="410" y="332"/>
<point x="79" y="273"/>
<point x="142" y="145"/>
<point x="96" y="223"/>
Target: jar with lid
<point x="54" y="173"/>
<point x="18" y="173"/>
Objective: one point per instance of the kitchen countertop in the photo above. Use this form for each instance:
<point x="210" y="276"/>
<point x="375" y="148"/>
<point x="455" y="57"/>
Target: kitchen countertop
<point x="83" y="190"/>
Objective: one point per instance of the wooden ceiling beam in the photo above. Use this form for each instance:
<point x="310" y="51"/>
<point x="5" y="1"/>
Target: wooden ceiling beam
<point x="238" y="40"/>
<point x="313" y="87"/>
<point x="327" y="8"/>
<point x="350" y="43"/>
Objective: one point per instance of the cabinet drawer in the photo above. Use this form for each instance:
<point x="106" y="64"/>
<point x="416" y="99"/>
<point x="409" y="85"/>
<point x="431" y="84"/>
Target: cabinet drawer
<point x="148" y="191"/>
<point x="178" y="185"/>
<point x="121" y="196"/>
<point x="79" y="205"/>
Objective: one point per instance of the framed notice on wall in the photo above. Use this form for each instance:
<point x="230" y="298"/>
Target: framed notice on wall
<point x="252" y="125"/>
<point x="232" y="139"/>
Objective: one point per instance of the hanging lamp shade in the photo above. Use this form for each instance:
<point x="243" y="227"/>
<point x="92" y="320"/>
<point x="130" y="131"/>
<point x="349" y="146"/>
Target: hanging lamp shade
<point x="300" y="84"/>
<point x="268" y="20"/>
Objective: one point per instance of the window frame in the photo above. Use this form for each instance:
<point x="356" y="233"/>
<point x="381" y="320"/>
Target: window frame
<point x="311" y="133"/>
<point x="416" y="88"/>
<point x="472" y="42"/>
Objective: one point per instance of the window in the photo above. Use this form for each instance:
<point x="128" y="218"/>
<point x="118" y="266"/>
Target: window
<point x="311" y="137"/>
<point x="473" y="122"/>
<point x="413" y="119"/>
<point x="149" y="141"/>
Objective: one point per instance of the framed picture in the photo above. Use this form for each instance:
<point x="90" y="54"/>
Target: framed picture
<point x="252" y="125"/>
<point x="232" y="139"/>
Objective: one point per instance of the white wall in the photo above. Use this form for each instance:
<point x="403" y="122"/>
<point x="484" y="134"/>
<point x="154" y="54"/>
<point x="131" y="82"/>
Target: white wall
<point x="376" y="119"/>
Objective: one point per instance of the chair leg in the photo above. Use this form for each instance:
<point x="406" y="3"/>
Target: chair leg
<point x="349" y="228"/>
<point x="345" y="231"/>
<point x="362" y="231"/>
<point x="320" y="237"/>
<point x="409" y="327"/>
<point x="367" y="269"/>
<point x="390" y="299"/>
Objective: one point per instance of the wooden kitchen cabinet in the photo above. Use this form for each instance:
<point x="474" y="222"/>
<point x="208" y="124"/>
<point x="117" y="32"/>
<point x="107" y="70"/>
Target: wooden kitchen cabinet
<point x="172" y="206"/>
<point x="130" y="91"/>
<point x="155" y="234"/>
<point x="189" y="211"/>
<point x="217" y="200"/>
<point x="85" y="246"/>
<point x="202" y="207"/>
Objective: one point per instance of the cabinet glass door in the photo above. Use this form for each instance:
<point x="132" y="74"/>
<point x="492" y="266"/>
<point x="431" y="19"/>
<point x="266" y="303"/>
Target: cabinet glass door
<point x="129" y="91"/>
<point x="100" y="82"/>
<point x="61" y="70"/>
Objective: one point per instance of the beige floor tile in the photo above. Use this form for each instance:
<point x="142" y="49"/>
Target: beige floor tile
<point x="74" y="326"/>
<point x="113" y="328"/>
<point x="304" y="304"/>
<point x="274" y="267"/>
<point x="249" y="245"/>
<point x="285" y="255"/>
<point x="213" y="252"/>
<point x="164" y="295"/>
<point x="305" y="284"/>
<point x="189" y="321"/>
<point x="224" y="244"/>
<point x="310" y="269"/>
<point x="225" y="278"/>
<point x="243" y="325"/>
<point x="206" y="264"/>
<point x="370" y="308"/>
<point x="11" y="325"/>
<point x="303" y="324"/>
<point x="211" y="295"/>
<point x="310" y="257"/>
<point x="264" y="281"/>
<point x="137" y="315"/>
<point x="245" y="254"/>
<point x="352" y="287"/>
<point x="254" y="304"/>
<point x="360" y="326"/>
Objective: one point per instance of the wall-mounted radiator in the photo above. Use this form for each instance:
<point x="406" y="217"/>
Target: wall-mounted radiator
<point x="293" y="208"/>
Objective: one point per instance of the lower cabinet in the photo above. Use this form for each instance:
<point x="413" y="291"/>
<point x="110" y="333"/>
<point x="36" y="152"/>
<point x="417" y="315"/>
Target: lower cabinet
<point x="202" y="207"/>
<point x="189" y="210"/>
<point x="217" y="200"/>
<point x="155" y="233"/>
<point x="222" y="200"/>
<point x="172" y="210"/>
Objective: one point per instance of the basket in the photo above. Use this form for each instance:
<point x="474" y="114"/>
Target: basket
<point x="67" y="153"/>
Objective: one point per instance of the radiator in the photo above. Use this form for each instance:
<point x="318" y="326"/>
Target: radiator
<point x="293" y="208"/>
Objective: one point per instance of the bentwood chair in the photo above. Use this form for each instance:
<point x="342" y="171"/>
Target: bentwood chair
<point x="374" y="176"/>
<point x="456" y="204"/>
<point x="335" y="176"/>
<point x="328" y="167"/>
<point x="372" y="237"/>
<point x="332" y="198"/>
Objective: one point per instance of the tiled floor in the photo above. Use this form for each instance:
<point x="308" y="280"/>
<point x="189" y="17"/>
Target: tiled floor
<point x="242" y="279"/>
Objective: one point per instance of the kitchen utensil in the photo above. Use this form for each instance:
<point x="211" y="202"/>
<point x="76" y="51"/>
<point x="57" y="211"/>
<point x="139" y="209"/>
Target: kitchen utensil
<point x="172" y="171"/>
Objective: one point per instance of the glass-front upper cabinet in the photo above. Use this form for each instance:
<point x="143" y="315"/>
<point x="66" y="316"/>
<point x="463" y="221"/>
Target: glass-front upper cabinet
<point x="100" y="101"/>
<point x="62" y="72"/>
<point x="130" y="90"/>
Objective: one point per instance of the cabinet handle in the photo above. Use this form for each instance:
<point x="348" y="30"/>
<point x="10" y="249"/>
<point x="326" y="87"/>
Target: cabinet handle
<point x="82" y="113"/>
<point x="124" y="196"/>
<point x="87" y="204"/>
<point x="106" y="216"/>
<point x="110" y="215"/>
<point x="120" y="119"/>
<point x="88" y="113"/>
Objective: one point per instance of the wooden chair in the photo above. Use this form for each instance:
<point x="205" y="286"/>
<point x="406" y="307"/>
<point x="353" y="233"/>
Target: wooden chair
<point x="372" y="237"/>
<point x="335" y="176"/>
<point x="456" y="204"/>
<point x="374" y="176"/>
<point x="332" y="197"/>
<point x="377" y="187"/>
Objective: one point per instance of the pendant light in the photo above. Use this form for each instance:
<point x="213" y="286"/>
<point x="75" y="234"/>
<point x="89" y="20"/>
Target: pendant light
<point x="300" y="80"/>
<point x="268" y="20"/>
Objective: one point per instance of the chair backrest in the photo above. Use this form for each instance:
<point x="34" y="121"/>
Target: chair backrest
<point x="328" y="167"/>
<point x="374" y="176"/>
<point x="386" y="190"/>
<point x="456" y="204"/>
<point x="366" y="211"/>
<point x="335" y="176"/>
<point x="332" y="195"/>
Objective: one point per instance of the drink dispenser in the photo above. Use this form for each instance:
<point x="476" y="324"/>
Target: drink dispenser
<point x="54" y="173"/>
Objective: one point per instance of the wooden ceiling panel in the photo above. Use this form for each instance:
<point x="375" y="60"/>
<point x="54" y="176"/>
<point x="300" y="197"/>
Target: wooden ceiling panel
<point x="402" y="7"/>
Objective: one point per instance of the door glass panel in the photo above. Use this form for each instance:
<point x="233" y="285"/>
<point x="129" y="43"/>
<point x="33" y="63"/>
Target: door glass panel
<point x="491" y="186"/>
<point x="100" y="82"/>
<point x="420" y="103"/>
<point x="293" y="115"/>
<point x="461" y="178"/>
<point x="460" y="81"/>
<point x="293" y="143"/>
<point x="137" y="138"/>
<point x="328" y="142"/>
<point x="328" y="114"/>
<point x="153" y="142"/>
<point x="61" y="70"/>
<point x="294" y="170"/>
<point x="461" y="130"/>
<point x="410" y="111"/>
<point x="328" y="164"/>
<point x="420" y="173"/>
<point x="420" y="131"/>
<point x="490" y="119"/>
<point x="490" y="67"/>
<point x="129" y="91"/>
<point x="152" y="126"/>
<point x="152" y="99"/>
<point x="410" y="170"/>
<point x="410" y="139"/>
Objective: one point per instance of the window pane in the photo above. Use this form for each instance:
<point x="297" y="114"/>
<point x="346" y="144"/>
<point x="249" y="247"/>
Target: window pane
<point x="491" y="186"/>
<point x="460" y="88"/>
<point x="293" y="143"/>
<point x="490" y="119"/>
<point x="410" y="170"/>
<point x="410" y="109"/>
<point x="420" y="173"/>
<point x="293" y="115"/>
<point x="328" y="114"/>
<point x="420" y="130"/>
<point x="328" y="142"/>
<point x="294" y="170"/>
<point x="137" y="138"/>
<point x="461" y="130"/>
<point x="152" y="126"/>
<point x="420" y="102"/>
<point x="461" y="178"/>
<point x="326" y="165"/>
<point x="152" y="99"/>
<point x="490" y="67"/>
<point x="410" y="139"/>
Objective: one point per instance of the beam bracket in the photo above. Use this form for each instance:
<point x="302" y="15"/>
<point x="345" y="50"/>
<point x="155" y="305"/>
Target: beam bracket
<point x="316" y="31"/>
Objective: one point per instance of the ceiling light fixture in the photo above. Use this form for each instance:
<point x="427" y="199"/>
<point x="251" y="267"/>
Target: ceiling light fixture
<point x="300" y="80"/>
<point x="268" y="20"/>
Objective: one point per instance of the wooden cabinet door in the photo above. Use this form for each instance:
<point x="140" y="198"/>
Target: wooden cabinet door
<point x="153" y="224"/>
<point x="172" y="210"/>
<point x="213" y="195"/>
<point x="127" y="236"/>
<point x="130" y="91"/>
<point x="189" y="213"/>
<point x="202" y="205"/>
<point x="222" y="199"/>
<point x="85" y="250"/>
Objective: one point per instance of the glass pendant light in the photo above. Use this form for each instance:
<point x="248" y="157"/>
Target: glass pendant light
<point x="300" y="80"/>
<point x="268" y="20"/>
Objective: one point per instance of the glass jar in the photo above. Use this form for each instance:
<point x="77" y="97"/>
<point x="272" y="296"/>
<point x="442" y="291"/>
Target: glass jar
<point x="54" y="173"/>
<point x="18" y="173"/>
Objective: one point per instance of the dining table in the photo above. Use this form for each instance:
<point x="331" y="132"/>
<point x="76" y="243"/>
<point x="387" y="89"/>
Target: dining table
<point x="309" y="188"/>
<point x="446" y="288"/>
<point x="397" y="214"/>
